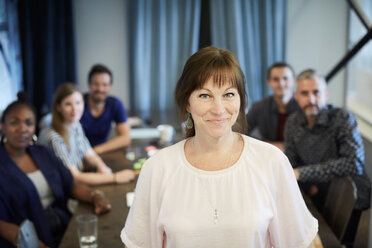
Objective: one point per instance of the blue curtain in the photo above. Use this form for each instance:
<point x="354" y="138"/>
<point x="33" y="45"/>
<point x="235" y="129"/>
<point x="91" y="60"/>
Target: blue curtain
<point x="254" y="30"/>
<point x="48" y="48"/>
<point x="163" y="34"/>
<point x="10" y="53"/>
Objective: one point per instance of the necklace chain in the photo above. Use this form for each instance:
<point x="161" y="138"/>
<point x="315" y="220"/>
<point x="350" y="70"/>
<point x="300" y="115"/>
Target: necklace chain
<point x="215" y="210"/>
<point x="227" y="163"/>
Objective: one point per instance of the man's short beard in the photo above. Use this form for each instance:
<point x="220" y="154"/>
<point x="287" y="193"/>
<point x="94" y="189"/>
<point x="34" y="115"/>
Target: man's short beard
<point x="311" y="114"/>
<point x="96" y="99"/>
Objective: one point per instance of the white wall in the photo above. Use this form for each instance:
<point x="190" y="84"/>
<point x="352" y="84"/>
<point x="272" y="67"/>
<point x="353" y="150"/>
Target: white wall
<point x="316" y="38"/>
<point x="100" y="33"/>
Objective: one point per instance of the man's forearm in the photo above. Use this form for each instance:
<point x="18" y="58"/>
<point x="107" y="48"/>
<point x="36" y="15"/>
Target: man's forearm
<point x="113" y="144"/>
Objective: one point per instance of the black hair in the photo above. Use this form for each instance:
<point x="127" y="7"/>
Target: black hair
<point x="99" y="68"/>
<point x="280" y="65"/>
<point x="22" y="99"/>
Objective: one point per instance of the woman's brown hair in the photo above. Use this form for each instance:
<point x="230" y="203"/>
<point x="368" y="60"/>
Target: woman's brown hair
<point x="63" y="91"/>
<point x="222" y="66"/>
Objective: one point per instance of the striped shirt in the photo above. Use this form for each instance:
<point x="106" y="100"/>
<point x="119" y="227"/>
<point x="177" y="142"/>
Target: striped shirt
<point x="332" y="148"/>
<point x="79" y="145"/>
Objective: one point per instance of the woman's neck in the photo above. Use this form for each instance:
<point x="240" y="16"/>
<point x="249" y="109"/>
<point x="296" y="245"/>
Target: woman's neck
<point x="205" y="144"/>
<point x="214" y="154"/>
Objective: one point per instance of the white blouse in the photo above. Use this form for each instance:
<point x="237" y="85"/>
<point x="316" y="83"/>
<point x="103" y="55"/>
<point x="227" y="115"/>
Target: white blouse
<point x="254" y="203"/>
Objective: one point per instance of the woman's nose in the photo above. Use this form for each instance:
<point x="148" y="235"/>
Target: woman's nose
<point x="218" y="106"/>
<point x="22" y="127"/>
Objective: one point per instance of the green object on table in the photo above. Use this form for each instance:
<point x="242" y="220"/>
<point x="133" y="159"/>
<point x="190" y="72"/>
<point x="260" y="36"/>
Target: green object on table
<point x="138" y="165"/>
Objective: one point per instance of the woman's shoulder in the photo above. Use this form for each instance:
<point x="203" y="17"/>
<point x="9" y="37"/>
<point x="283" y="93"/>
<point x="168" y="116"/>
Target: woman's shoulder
<point x="258" y="147"/>
<point x="48" y="133"/>
<point x="264" y="156"/>
<point x="49" y="136"/>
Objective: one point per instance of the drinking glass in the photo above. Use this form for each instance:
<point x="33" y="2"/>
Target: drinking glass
<point x="87" y="230"/>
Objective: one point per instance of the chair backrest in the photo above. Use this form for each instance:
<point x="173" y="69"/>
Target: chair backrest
<point x="362" y="234"/>
<point x="340" y="201"/>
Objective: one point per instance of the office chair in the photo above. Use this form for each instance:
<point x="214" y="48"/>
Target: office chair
<point x="340" y="201"/>
<point x="362" y="234"/>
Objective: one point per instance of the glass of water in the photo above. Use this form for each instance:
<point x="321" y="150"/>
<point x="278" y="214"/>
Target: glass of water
<point x="87" y="230"/>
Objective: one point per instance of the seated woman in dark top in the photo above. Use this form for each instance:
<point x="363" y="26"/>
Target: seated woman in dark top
<point x="34" y="184"/>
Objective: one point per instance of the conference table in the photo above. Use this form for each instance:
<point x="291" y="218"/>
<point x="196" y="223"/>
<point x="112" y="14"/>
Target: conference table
<point x="111" y="223"/>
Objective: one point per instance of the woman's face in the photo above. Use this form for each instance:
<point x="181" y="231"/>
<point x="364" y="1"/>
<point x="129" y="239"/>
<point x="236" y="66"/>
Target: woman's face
<point x="214" y="109"/>
<point x="72" y="107"/>
<point x="19" y="127"/>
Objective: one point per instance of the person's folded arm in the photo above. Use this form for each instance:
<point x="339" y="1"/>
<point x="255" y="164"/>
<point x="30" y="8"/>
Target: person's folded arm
<point x="350" y="161"/>
<point x="93" y="178"/>
<point x="93" y="159"/>
<point x="84" y="193"/>
<point x="8" y="231"/>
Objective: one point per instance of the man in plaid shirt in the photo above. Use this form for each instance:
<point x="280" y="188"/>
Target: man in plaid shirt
<point x="322" y="142"/>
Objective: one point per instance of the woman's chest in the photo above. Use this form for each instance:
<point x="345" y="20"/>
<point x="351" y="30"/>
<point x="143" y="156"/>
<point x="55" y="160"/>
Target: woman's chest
<point x="235" y="207"/>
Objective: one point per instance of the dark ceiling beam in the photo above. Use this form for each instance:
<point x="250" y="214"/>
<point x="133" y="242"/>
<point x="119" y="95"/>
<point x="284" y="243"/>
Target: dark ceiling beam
<point x="367" y="24"/>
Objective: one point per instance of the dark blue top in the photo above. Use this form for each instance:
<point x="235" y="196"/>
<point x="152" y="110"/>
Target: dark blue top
<point x="19" y="199"/>
<point x="97" y="129"/>
<point x="262" y="118"/>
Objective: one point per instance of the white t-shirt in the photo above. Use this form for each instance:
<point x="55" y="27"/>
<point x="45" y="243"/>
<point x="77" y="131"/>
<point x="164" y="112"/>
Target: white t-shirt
<point x="257" y="199"/>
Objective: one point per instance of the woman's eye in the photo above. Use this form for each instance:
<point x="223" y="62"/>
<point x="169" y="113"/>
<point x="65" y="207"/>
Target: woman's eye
<point x="229" y="95"/>
<point x="30" y="123"/>
<point x="204" y="96"/>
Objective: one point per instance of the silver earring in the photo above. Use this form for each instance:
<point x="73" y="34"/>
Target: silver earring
<point x="5" y="140"/>
<point x="189" y="123"/>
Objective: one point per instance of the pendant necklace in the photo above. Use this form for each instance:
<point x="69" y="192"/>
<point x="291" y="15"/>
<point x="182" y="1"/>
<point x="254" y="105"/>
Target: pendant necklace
<point x="213" y="206"/>
<point x="215" y="216"/>
<point x="215" y="210"/>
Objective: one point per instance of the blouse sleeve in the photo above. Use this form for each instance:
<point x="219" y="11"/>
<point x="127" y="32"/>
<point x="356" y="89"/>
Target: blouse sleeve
<point x="58" y="145"/>
<point x="83" y="141"/>
<point x="141" y="229"/>
<point x="292" y="225"/>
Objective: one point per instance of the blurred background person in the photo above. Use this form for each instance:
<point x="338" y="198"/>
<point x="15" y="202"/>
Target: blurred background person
<point x="34" y="184"/>
<point x="323" y="142"/>
<point x="101" y="110"/>
<point x="266" y="118"/>
<point x="67" y="139"/>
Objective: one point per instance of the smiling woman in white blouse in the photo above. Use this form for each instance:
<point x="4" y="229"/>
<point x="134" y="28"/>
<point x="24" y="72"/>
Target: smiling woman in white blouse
<point x="218" y="187"/>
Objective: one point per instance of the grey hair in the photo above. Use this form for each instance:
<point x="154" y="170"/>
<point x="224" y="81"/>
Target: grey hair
<point x="311" y="74"/>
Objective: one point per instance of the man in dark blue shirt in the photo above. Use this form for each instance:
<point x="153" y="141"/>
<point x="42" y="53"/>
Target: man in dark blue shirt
<point x="101" y="110"/>
<point x="322" y="142"/>
<point x="266" y="118"/>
